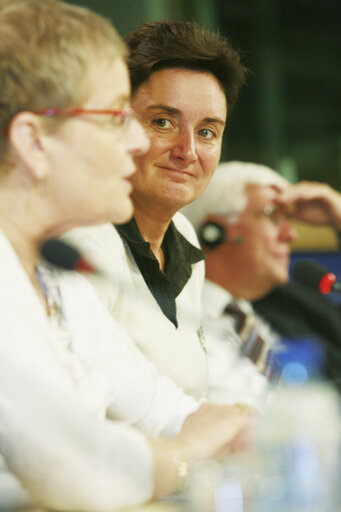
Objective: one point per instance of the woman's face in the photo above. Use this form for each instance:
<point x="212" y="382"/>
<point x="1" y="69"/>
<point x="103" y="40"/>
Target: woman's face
<point x="92" y="154"/>
<point x="183" y="113"/>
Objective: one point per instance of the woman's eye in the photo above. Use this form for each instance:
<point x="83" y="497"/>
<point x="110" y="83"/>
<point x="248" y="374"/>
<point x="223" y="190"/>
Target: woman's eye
<point x="206" y="133"/>
<point x="162" y="122"/>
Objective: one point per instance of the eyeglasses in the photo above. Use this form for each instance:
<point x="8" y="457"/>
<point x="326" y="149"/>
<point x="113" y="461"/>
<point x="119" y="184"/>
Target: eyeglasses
<point x="271" y="212"/>
<point x="118" y="117"/>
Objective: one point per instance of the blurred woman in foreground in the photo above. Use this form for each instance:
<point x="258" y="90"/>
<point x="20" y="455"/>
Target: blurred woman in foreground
<point x="66" y="150"/>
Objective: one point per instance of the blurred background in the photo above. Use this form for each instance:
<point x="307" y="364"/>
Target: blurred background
<point x="289" y="113"/>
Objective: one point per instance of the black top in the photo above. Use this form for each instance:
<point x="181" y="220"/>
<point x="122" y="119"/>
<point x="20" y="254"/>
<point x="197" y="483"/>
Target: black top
<point x="179" y="256"/>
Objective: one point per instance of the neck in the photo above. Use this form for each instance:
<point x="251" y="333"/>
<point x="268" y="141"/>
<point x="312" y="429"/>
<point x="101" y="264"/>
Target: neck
<point x="22" y="220"/>
<point x="153" y="228"/>
<point x="224" y="274"/>
<point x="26" y="248"/>
<point x="27" y="251"/>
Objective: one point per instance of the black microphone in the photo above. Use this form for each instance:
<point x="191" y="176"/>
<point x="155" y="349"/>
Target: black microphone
<point x="62" y="255"/>
<point x="316" y="276"/>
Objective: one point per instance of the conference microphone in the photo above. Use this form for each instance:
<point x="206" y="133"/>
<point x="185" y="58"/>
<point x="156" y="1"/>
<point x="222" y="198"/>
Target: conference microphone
<point x="62" y="255"/>
<point x="316" y="276"/>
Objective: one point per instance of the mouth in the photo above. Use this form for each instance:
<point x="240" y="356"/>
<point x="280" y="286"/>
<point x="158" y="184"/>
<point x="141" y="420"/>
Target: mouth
<point x="174" y="170"/>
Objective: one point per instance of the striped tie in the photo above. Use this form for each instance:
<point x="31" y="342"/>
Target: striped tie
<point x="253" y="345"/>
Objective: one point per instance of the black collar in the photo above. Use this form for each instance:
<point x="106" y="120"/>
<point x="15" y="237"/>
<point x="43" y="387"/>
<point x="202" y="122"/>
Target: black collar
<point x="179" y="254"/>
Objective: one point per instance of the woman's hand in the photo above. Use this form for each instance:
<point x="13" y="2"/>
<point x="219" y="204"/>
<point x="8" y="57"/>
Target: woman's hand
<point x="215" y="429"/>
<point x="212" y="431"/>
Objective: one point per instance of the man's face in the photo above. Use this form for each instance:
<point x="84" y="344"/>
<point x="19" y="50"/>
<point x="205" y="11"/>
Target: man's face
<point x="262" y="258"/>
<point x="183" y="113"/>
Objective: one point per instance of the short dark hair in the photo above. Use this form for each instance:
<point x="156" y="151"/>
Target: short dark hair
<point x="167" y="44"/>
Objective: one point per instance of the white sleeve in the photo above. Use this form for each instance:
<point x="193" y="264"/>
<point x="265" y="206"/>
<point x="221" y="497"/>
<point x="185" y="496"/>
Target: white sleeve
<point x="13" y="496"/>
<point x="65" y="458"/>
<point x="138" y="393"/>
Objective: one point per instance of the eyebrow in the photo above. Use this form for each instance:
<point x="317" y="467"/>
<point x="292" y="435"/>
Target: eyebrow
<point x="175" y="111"/>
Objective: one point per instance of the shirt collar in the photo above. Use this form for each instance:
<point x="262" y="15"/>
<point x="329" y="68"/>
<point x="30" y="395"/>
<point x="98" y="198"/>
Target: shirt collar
<point x="173" y="240"/>
<point x="216" y="298"/>
<point x="131" y="233"/>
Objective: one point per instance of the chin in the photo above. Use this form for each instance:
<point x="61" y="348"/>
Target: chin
<point x="178" y="193"/>
<point x="280" y="272"/>
<point x="281" y="278"/>
<point x="124" y="214"/>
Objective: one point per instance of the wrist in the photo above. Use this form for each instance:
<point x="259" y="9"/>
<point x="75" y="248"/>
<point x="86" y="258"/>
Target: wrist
<point x="181" y="469"/>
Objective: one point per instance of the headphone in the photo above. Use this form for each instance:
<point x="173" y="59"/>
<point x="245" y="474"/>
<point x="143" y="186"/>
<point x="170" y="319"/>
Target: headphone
<point x="211" y="234"/>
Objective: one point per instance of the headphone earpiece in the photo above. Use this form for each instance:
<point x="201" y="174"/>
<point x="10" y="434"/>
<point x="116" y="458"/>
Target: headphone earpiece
<point x="211" y="234"/>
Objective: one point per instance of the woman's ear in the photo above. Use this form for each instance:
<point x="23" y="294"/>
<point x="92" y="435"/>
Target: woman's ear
<point x="26" y="136"/>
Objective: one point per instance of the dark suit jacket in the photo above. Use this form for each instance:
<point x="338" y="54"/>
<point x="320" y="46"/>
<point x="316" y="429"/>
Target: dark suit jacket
<point x="295" y="311"/>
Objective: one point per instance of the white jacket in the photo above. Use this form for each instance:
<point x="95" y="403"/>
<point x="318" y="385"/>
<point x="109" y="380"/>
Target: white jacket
<point x="176" y="352"/>
<point x="56" y="392"/>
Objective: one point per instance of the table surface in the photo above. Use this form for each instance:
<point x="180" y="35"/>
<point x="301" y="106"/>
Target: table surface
<point x="151" y="507"/>
<point x="157" y="507"/>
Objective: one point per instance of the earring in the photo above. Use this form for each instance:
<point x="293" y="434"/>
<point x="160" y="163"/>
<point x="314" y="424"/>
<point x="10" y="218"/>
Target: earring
<point x="43" y="186"/>
<point x="238" y="240"/>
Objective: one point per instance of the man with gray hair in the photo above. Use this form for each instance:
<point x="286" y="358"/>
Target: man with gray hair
<point x="242" y="221"/>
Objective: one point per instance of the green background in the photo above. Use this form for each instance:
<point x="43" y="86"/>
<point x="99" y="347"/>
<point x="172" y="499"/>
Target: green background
<point x="289" y="113"/>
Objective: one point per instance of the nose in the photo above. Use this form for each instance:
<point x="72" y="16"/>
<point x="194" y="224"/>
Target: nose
<point x="184" y="148"/>
<point x="137" y="141"/>
<point x="287" y="231"/>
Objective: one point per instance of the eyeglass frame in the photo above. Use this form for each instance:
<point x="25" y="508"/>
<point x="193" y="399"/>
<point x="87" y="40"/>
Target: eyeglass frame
<point x="126" y="115"/>
<point x="270" y="212"/>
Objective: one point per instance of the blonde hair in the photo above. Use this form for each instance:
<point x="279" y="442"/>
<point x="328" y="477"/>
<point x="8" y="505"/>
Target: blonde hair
<point x="226" y="195"/>
<point x="45" y="50"/>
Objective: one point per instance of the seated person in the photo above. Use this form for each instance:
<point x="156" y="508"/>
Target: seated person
<point x="242" y="220"/>
<point x="68" y="373"/>
<point x="185" y="81"/>
<point x="295" y="310"/>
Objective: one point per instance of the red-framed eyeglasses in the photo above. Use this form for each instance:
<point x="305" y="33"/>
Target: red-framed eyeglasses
<point x="119" y="117"/>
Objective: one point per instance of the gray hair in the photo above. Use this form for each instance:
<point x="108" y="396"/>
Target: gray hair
<point x="226" y="194"/>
